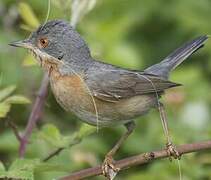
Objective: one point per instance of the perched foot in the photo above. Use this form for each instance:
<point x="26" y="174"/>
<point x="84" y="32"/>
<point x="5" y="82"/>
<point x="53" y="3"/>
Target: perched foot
<point x="109" y="170"/>
<point x="172" y="151"/>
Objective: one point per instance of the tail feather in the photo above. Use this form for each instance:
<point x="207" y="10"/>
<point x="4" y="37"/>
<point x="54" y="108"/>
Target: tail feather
<point x="177" y="57"/>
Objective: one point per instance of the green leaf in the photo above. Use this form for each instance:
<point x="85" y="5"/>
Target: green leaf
<point x="52" y="135"/>
<point x="17" y="99"/>
<point x="22" y="174"/>
<point x="4" y="93"/>
<point x="20" y="169"/>
<point x="23" y="168"/>
<point x="29" y="60"/>
<point x="4" y="109"/>
<point x="24" y="164"/>
<point x="51" y="131"/>
<point x="28" y="15"/>
<point x="85" y="130"/>
<point x="26" y="27"/>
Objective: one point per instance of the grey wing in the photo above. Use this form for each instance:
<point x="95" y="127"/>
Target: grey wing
<point x="115" y="85"/>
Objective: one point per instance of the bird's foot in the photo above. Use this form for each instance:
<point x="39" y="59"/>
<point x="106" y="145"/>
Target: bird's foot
<point x="172" y="151"/>
<point x="108" y="168"/>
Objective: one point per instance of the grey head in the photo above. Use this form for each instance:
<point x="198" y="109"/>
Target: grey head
<point x="56" y="39"/>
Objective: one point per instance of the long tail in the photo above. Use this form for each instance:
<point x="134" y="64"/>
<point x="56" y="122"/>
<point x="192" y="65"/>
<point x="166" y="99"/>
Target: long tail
<point x="177" y="57"/>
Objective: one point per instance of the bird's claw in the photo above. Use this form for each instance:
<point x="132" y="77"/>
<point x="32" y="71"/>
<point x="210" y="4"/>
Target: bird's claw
<point x="172" y="151"/>
<point x="108" y="168"/>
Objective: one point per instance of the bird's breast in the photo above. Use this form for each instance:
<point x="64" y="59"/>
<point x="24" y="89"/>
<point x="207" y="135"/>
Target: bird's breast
<point x="70" y="92"/>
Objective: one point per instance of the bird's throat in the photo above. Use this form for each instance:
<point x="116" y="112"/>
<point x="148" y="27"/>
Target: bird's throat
<point x="49" y="66"/>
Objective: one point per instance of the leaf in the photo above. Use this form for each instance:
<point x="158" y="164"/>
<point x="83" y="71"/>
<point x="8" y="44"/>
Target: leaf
<point x="51" y="131"/>
<point x="4" y="93"/>
<point x="26" y="27"/>
<point x="29" y="60"/>
<point x="23" y="168"/>
<point x="20" y="174"/>
<point x="4" y="109"/>
<point x="17" y="99"/>
<point x="85" y="130"/>
<point x="24" y="164"/>
<point x="52" y="135"/>
<point x="20" y="169"/>
<point x="28" y="15"/>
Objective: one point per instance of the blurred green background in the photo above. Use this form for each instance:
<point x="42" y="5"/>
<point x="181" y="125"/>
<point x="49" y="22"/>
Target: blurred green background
<point x="132" y="34"/>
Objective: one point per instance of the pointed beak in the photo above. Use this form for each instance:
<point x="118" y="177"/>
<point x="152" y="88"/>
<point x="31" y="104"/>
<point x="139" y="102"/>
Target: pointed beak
<point x="23" y="43"/>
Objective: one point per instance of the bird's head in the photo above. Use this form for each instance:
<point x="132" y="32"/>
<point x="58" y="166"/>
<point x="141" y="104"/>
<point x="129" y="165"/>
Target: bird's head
<point x="56" y="41"/>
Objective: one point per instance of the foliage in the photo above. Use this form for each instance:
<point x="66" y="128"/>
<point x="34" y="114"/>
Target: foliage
<point x="28" y="16"/>
<point x="6" y="100"/>
<point x="128" y="33"/>
<point x="20" y="169"/>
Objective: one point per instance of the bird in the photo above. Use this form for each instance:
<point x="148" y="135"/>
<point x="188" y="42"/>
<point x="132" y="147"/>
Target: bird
<point x="101" y="94"/>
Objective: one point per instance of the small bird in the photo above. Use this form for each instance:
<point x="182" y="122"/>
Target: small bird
<point x="102" y="94"/>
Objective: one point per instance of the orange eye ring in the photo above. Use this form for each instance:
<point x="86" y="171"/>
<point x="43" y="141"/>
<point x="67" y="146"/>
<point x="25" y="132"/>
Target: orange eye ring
<point x="43" y="42"/>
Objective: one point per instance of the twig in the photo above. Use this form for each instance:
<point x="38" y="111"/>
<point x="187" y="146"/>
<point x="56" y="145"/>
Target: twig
<point x="35" y="114"/>
<point x="138" y="160"/>
<point x="15" y="129"/>
<point x="54" y="153"/>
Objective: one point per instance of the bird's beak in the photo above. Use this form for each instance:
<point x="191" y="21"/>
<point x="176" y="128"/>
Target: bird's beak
<point x="23" y="43"/>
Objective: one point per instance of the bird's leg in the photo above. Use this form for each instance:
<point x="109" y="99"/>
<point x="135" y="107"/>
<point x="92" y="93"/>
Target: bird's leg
<point x="108" y="167"/>
<point x="171" y="149"/>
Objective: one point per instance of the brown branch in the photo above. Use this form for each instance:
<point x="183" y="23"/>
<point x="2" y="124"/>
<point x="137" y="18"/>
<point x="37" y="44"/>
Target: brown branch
<point x="35" y="114"/>
<point x="138" y="160"/>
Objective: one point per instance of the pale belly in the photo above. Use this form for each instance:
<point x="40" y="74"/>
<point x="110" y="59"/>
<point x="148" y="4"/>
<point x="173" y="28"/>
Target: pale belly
<point x="76" y="98"/>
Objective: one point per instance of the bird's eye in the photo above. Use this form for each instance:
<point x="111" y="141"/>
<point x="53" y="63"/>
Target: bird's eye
<point x="43" y="42"/>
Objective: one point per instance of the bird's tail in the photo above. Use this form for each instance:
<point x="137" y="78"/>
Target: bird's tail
<point x="177" y="57"/>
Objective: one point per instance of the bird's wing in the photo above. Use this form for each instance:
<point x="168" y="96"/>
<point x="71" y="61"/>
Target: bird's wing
<point x="113" y="85"/>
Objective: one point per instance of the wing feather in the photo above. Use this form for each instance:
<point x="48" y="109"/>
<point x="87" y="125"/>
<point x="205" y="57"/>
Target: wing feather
<point x="115" y="85"/>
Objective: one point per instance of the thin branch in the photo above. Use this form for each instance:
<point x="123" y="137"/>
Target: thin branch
<point x="14" y="128"/>
<point x="35" y="114"/>
<point x="54" y="153"/>
<point x="138" y="160"/>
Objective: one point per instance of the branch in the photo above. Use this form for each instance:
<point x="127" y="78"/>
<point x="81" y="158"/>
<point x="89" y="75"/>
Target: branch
<point x="14" y="129"/>
<point x="75" y="141"/>
<point x="54" y="153"/>
<point x="35" y="114"/>
<point x="138" y="160"/>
